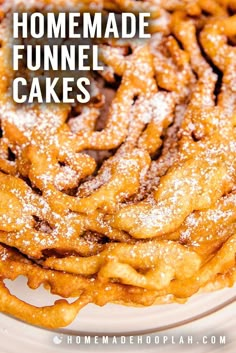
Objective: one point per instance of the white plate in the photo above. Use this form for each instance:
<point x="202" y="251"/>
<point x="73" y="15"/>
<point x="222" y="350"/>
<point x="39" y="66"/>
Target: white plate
<point x="204" y="315"/>
<point x="121" y="320"/>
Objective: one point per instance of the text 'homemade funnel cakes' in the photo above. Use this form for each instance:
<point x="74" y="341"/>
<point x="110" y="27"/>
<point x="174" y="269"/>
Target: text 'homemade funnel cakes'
<point x="130" y="198"/>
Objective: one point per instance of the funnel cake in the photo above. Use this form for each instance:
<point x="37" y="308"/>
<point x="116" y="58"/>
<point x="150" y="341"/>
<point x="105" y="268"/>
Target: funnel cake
<point x="131" y="198"/>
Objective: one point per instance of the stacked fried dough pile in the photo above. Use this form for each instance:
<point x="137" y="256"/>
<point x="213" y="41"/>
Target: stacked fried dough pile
<point x="132" y="198"/>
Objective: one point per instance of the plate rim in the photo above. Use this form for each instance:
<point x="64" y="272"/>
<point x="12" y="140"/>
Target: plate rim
<point x="72" y="332"/>
<point x="164" y="328"/>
